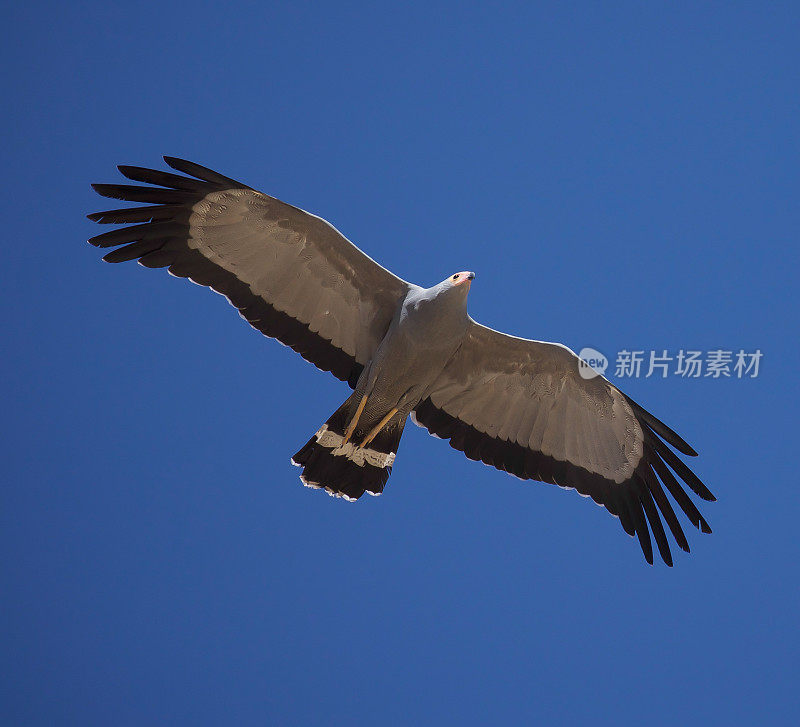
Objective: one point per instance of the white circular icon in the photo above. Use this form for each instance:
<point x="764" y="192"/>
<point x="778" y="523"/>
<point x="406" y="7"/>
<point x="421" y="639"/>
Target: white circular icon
<point x="592" y="363"/>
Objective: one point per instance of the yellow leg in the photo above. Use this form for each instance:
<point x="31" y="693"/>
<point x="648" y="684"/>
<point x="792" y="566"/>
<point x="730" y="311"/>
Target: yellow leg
<point x="381" y="424"/>
<point x="354" y="421"/>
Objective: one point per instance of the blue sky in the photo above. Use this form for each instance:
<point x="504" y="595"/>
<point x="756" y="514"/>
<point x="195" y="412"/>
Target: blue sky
<point x="619" y="175"/>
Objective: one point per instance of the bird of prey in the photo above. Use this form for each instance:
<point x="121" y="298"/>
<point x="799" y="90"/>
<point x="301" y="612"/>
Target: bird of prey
<point x="406" y="351"/>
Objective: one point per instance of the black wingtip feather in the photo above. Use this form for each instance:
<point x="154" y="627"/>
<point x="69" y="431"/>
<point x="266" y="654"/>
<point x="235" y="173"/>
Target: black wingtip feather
<point x="637" y="514"/>
<point x="624" y="513"/>
<point x="683" y="471"/>
<point x="678" y="493"/>
<point x="133" y="251"/>
<point x="201" y="172"/>
<point x="148" y="195"/>
<point x="656" y="526"/>
<point x="662" y="429"/>
<point x="162" y="179"/>
<point x="129" y="215"/>
<point x="665" y="508"/>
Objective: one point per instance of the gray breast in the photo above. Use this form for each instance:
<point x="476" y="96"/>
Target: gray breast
<point x="427" y="330"/>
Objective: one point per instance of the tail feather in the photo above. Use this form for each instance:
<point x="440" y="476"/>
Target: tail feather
<point x="347" y="470"/>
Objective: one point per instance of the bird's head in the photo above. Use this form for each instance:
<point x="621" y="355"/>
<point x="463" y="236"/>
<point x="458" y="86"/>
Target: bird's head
<point x="452" y="291"/>
<point x="448" y="298"/>
<point x="461" y="280"/>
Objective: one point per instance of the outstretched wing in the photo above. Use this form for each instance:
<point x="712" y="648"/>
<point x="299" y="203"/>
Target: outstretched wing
<point x="523" y="407"/>
<point x="292" y="275"/>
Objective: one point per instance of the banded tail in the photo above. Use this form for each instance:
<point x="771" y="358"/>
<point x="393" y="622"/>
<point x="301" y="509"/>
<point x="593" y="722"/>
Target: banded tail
<point x="348" y="470"/>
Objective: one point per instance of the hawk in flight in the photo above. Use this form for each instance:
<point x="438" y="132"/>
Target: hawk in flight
<point x="406" y="351"/>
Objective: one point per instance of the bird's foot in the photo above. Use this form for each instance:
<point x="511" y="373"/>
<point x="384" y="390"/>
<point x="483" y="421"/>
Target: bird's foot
<point x="381" y="424"/>
<point x="354" y="421"/>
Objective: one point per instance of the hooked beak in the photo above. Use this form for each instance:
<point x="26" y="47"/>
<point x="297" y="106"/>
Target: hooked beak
<point x="465" y="277"/>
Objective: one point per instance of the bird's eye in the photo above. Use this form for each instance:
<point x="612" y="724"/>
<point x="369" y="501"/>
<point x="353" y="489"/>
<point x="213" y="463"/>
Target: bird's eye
<point x="455" y="276"/>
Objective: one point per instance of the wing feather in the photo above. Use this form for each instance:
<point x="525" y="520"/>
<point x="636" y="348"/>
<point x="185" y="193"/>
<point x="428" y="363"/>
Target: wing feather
<point x="522" y="406"/>
<point x="292" y="275"/>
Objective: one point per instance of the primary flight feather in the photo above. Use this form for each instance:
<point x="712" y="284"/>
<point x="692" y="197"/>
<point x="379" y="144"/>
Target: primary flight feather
<point x="519" y="405"/>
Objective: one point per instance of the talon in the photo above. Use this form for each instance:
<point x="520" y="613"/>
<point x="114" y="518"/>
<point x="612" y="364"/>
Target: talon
<point x="354" y="421"/>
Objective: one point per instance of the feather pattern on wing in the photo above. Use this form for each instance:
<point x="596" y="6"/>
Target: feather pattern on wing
<point x="523" y="407"/>
<point x="291" y="274"/>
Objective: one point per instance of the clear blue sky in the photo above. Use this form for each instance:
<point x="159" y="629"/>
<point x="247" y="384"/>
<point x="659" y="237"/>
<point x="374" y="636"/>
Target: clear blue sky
<point x="619" y="175"/>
